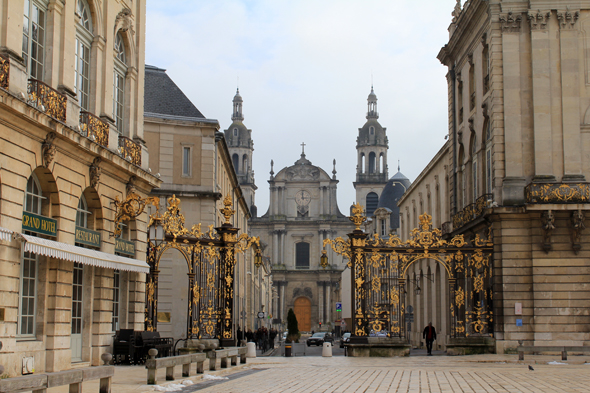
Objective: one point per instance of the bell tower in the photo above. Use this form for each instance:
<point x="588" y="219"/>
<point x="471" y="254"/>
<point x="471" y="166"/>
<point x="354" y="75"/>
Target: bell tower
<point x="241" y="147"/>
<point x="371" y="146"/>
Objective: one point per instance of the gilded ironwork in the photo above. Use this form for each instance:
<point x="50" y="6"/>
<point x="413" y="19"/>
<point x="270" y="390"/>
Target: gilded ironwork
<point x="130" y="208"/>
<point x="94" y="128"/>
<point x="130" y="150"/>
<point x="380" y="266"/>
<point x="211" y="259"/>
<point x="47" y="99"/>
<point x="357" y="216"/>
<point x="557" y="193"/>
<point x="4" y="71"/>
<point x="472" y="211"/>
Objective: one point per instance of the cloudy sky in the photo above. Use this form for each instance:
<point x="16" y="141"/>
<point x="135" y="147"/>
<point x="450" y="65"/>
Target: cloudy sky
<point x="305" y="69"/>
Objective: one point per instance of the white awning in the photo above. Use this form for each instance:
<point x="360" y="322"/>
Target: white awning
<point x="5" y="234"/>
<point x="86" y="256"/>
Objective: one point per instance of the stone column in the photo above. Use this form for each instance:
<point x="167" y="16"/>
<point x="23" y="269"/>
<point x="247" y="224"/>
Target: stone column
<point x="570" y="96"/>
<point x="275" y="247"/>
<point x="284" y="235"/>
<point x="320" y="301"/>
<point x="328" y="301"/>
<point x="321" y="210"/>
<point x="541" y="68"/>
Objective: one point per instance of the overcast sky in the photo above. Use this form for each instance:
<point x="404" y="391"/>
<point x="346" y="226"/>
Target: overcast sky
<point x="305" y="70"/>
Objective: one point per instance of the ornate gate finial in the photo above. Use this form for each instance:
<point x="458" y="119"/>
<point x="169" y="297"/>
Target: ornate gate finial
<point x="227" y="211"/>
<point x="357" y="216"/>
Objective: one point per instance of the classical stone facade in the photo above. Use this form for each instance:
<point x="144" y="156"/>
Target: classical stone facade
<point x="194" y="162"/>
<point x="71" y="146"/>
<point x="303" y="212"/>
<point x="518" y="99"/>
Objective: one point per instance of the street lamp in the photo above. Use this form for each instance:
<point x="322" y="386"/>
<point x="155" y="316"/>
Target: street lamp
<point x="258" y="258"/>
<point x="324" y="259"/>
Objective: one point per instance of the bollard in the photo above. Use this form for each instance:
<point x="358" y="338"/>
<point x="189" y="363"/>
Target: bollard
<point x="288" y="349"/>
<point x="251" y="350"/>
<point x="327" y="350"/>
<point x="151" y="377"/>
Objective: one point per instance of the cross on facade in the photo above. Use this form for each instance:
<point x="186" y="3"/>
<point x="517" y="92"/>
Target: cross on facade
<point x="303" y="148"/>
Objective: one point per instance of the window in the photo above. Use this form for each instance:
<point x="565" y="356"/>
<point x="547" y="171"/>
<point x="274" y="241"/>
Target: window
<point x="383" y="227"/>
<point x="116" y="299"/>
<point x="83" y="43"/>
<point x="235" y="132"/>
<point x="77" y="284"/>
<point x="119" y="84"/>
<point x="236" y="161"/>
<point x="34" y="38"/>
<point x="372" y="200"/>
<point x="302" y="255"/>
<point x="372" y="162"/>
<point x="83" y="213"/>
<point x="371" y="130"/>
<point x="186" y="161"/>
<point x="29" y="266"/>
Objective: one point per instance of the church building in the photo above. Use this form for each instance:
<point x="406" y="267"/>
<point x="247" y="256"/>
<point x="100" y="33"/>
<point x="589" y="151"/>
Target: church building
<point x="303" y="212"/>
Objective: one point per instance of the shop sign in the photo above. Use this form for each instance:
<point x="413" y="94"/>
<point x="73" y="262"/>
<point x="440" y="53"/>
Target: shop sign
<point x="39" y="224"/>
<point x="87" y="237"/>
<point x="125" y="247"/>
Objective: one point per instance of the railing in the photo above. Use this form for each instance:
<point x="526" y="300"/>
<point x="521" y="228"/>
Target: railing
<point x="94" y="128"/>
<point x="472" y="211"/>
<point x="472" y="101"/>
<point x="486" y="84"/>
<point x="4" y="71"/>
<point x="130" y="150"/>
<point x="447" y="227"/>
<point x="557" y="193"/>
<point x="47" y="99"/>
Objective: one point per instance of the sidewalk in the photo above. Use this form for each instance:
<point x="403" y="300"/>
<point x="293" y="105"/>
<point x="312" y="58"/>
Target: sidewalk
<point x="477" y="373"/>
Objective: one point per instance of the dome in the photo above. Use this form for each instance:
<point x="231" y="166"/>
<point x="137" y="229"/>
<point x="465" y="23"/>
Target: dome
<point x="391" y="194"/>
<point x="372" y="133"/>
<point x="238" y="97"/>
<point x="237" y="135"/>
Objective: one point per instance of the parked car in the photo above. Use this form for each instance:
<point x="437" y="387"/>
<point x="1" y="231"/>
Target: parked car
<point x="316" y="339"/>
<point x="345" y="338"/>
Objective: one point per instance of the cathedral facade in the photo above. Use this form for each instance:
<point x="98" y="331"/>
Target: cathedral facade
<point x="303" y="212"/>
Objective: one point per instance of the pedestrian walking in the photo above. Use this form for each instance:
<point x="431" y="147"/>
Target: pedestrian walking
<point x="429" y="334"/>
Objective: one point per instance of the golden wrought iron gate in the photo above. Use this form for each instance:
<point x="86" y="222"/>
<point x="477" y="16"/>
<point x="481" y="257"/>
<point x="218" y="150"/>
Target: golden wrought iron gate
<point x="379" y="267"/>
<point x="211" y="259"/>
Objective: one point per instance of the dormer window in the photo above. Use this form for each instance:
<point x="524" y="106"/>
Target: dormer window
<point x="371" y="130"/>
<point x="235" y="132"/>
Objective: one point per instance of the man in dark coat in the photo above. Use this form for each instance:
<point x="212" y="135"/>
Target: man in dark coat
<point x="429" y="334"/>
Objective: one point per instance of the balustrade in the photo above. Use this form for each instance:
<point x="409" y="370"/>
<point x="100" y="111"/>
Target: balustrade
<point x="94" y="128"/>
<point x="4" y="71"/>
<point x="130" y="150"/>
<point x="47" y="99"/>
<point x="472" y="211"/>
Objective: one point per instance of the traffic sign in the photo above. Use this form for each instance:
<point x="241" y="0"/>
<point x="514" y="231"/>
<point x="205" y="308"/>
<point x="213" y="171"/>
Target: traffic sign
<point x="261" y="315"/>
<point x="338" y="306"/>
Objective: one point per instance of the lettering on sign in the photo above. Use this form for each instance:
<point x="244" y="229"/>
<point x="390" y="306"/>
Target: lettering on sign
<point x="39" y="224"/>
<point x="124" y="247"/>
<point x="87" y="237"/>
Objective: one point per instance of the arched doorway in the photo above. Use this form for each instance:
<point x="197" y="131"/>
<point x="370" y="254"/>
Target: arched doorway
<point x="302" y="309"/>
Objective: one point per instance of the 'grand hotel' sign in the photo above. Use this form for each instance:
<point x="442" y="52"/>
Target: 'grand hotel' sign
<point x="39" y="224"/>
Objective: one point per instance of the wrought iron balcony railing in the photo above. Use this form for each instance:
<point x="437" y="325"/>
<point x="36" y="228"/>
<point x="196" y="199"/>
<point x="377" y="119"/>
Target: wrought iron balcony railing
<point x="486" y="84"/>
<point x="130" y="150"/>
<point x="472" y="211"/>
<point x="94" y="128"/>
<point x="47" y="99"/>
<point x="4" y="71"/>
<point x="557" y="193"/>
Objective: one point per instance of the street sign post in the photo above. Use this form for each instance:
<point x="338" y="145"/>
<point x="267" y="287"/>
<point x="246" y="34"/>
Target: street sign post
<point x="338" y="306"/>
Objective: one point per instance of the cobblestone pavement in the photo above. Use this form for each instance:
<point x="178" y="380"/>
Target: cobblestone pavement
<point x="419" y="374"/>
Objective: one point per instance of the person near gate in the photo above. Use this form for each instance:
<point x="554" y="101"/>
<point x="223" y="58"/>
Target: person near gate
<point x="429" y="334"/>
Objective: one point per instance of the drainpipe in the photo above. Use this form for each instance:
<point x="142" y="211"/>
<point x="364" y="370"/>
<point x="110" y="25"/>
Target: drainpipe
<point x="454" y="105"/>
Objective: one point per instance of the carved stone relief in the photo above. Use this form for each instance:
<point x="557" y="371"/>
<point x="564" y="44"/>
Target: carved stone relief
<point x="95" y="172"/>
<point x="297" y="292"/>
<point x="548" y="222"/>
<point x="538" y="19"/>
<point x="48" y="149"/>
<point x="511" y="22"/>
<point x="568" y="19"/>
<point x="302" y="172"/>
<point x="577" y="228"/>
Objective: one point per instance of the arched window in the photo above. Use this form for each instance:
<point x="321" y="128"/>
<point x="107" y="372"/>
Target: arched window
<point x="83" y="213"/>
<point x="236" y="161"/>
<point x="244" y="163"/>
<point x="302" y="255"/>
<point x="84" y="39"/>
<point x="381" y="163"/>
<point x="34" y="37"/>
<point x="372" y="200"/>
<point x="372" y="162"/>
<point x="363" y="163"/>
<point x="371" y="130"/>
<point x="119" y="84"/>
<point x="235" y="132"/>
<point x="29" y="266"/>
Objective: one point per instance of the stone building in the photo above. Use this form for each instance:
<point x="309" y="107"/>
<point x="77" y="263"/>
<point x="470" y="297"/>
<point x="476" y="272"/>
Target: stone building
<point x="303" y="212"/>
<point x="71" y="144"/>
<point x="518" y="100"/>
<point x="194" y="162"/>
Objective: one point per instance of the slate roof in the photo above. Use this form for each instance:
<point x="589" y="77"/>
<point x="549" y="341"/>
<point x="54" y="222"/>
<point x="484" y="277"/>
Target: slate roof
<point x="163" y="97"/>
<point x="391" y="194"/>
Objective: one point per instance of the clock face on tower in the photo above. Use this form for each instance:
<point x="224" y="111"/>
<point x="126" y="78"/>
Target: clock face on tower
<point x="302" y="198"/>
